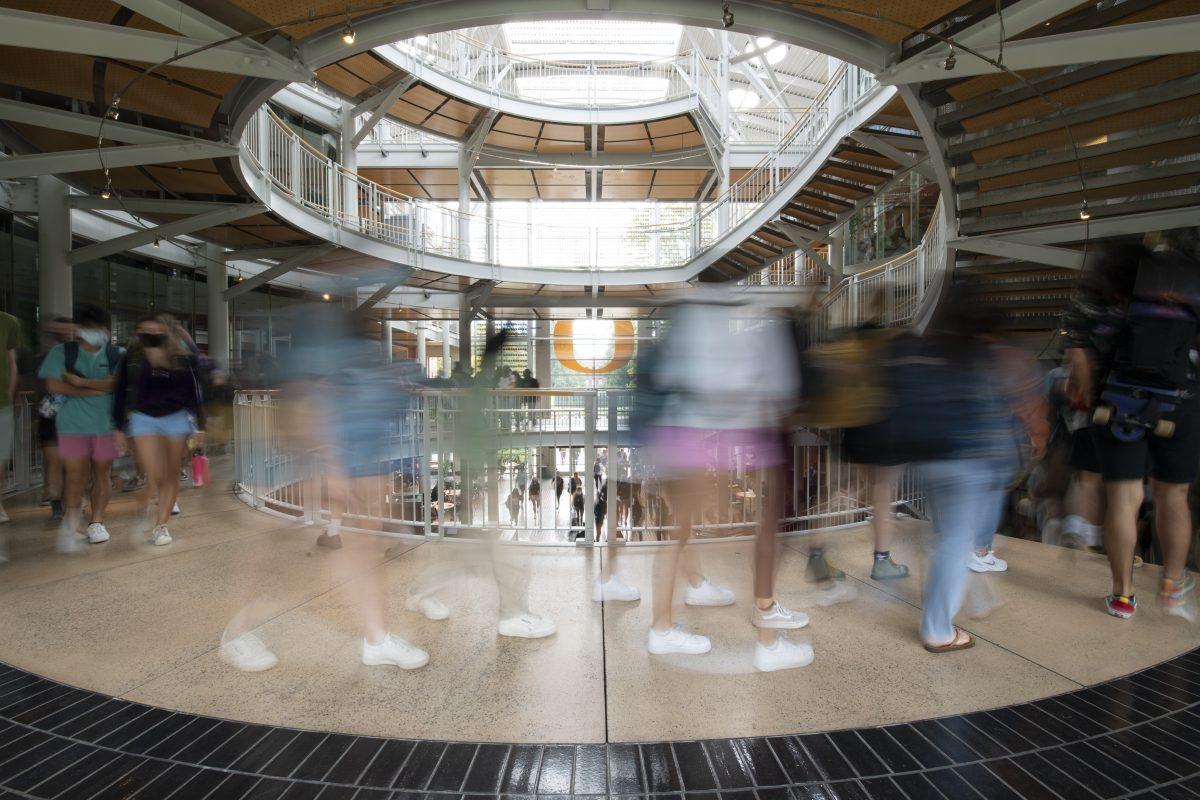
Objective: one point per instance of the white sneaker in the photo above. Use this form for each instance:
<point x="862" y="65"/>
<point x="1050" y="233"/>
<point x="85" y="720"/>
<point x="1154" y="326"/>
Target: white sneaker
<point x="778" y="616"/>
<point x="3" y="516"/>
<point x="708" y="594"/>
<point x="429" y="606"/>
<point x="783" y="654"/>
<point x="527" y="626"/>
<point x="97" y="533"/>
<point x="393" y="651"/>
<point x="175" y="510"/>
<point x="615" y="590"/>
<point x="248" y="653"/>
<point x="986" y="563"/>
<point x="68" y="540"/>
<point x="677" y="640"/>
<point x="161" y="535"/>
<point x="836" y="592"/>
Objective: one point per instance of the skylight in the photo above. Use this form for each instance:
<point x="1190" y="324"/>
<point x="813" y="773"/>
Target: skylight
<point x="607" y="40"/>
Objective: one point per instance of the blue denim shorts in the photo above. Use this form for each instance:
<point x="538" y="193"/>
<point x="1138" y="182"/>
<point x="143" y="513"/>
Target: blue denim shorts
<point x="178" y="425"/>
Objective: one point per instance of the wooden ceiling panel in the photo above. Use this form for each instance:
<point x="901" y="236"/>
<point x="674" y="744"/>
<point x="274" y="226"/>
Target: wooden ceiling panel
<point x="563" y="192"/>
<point x="624" y="192"/>
<point x="632" y="146"/>
<point x="663" y="144"/>
<point x="421" y="95"/>
<point x="90" y="10"/>
<point x="501" y="139"/>
<point x="507" y="177"/>
<point x="679" y="177"/>
<point x="514" y="192"/>
<point x="673" y="192"/>
<point x="898" y="19"/>
<point x="568" y="133"/>
<point x="55" y="73"/>
<point x="562" y="177"/>
<point x="628" y="177"/>
<point x="367" y="67"/>
<point x="457" y="110"/>
<point x="517" y="125"/>
<point x="197" y="177"/>
<point x="1138" y="156"/>
<point x="429" y="176"/>
<point x="387" y="176"/>
<point x="552" y="146"/>
<point x="693" y="139"/>
<point x="342" y="81"/>
<point x="155" y="96"/>
<point x="671" y="126"/>
<point x="447" y="126"/>
<point x="624" y="133"/>
<point x="409" y="113"/>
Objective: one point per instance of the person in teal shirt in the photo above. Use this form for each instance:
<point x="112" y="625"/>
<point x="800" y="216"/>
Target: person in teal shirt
<point x="81" y="374"/>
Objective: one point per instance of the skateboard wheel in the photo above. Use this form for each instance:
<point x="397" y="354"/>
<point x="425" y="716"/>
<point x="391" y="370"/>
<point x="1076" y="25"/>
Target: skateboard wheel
<point x="1164" y="429"/>
<point x="1102" y="415"/>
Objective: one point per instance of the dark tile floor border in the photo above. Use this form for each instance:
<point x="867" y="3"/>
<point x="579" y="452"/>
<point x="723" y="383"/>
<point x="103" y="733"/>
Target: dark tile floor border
<point x="1136" y="736"/>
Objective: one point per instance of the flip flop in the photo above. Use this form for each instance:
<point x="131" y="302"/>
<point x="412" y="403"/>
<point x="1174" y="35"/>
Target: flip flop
<point x="953" y="644"/>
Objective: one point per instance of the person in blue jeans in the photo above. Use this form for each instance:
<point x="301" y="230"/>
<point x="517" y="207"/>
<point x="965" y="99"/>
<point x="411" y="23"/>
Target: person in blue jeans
<point x="969" y="460"/>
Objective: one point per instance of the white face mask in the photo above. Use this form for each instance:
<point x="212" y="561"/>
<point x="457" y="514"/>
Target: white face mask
<point x="94" y="336"/>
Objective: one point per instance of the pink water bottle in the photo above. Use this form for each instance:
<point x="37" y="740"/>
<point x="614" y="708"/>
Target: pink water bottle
<point x="199" y="469"/>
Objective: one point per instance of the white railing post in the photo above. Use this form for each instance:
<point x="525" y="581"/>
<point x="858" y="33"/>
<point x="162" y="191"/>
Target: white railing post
<point x="610" y="513"/>
<point x="425" y="421"/>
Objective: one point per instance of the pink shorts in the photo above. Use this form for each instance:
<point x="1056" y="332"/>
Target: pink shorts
<point x="93" y="448"/>
<point x="678" y="448"/>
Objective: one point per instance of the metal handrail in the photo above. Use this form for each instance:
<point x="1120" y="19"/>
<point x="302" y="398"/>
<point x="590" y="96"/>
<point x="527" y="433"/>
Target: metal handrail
<point x="352" y="202"/>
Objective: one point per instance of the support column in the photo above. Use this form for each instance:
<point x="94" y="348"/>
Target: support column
<point x="388" y="348"/>
<point x="464" y="207"/>
<point x="464" y="333"/>
<point x="541" y="371"/>
<point x="837" y="250"/>
<point x="723" y="71"/>
<point x="218" y="307"/>
<point x="446" y="367"/>
<point x="349" y="195"/>
<point x="55" y="292"/>
<point x="421" y="359"/>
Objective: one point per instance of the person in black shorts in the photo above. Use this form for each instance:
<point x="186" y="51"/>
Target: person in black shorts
<point x="1131" y="315"/>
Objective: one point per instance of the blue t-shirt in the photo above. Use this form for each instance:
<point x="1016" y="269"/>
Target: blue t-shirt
<point x="81" y="416"/>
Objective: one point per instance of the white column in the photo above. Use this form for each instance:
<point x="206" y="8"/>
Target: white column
<point x="420" y="329"/>
<point x="349" y="198"/>
<point x="54" y="242"/>
<point x="837" y="250"/>
<point x="218" y="307"/>
<point x="464" y="333"/>
<point x="446" y="367"/>
<point x="387" y="341"/>
<point x="464" y="207"/>
<point x="723" y="73"/>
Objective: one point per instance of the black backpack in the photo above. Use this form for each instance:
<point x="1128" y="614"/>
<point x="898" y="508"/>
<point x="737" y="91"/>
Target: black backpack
<point x="1155" y="343"/>
<point x="71" y="357"/>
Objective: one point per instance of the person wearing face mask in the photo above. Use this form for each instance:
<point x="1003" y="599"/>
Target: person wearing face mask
<point x="157" y="396"/>
<point x="82" y="374"/>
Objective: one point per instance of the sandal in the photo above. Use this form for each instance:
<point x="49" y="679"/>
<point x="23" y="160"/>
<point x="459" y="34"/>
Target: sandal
<point x="954" y="644"/>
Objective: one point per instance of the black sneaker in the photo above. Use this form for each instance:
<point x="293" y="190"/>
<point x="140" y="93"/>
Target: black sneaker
<point x="332" y="542"/>
<point x="56" y="510"/>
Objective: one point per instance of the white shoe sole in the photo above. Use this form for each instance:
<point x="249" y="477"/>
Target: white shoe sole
<point x="780" y="625"/>
<point x="538" y="634"/>
<point x="414" y="604"/>
<point x="668" y="651"/>
<point x="600" y="596"/>
<point x="385" y="662"/>
<point x="797" y="664"/>
<point x="261" y="666"/>
<point x="708" y="603"/>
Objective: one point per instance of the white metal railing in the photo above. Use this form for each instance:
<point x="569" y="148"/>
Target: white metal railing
<point x="895" y="289"/>
<point x="446" y="486"/>
<point x="346" y="199"/>
<point x="791" y="269"/>
<point x="587" y="83"/>
<point x="24" y="468"/>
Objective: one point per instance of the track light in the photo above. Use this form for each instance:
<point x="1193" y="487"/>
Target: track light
<point x="726" y="16"/>
<point x="156" y="244"/>
<point x="325" y="296"/>
<point x="107" y="192"/>
<point x="1084" y="214"/>
<point x="348" y="35"/>
<point x="950" y="61"/>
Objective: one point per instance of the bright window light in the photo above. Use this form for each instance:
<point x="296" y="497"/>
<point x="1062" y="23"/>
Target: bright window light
<point x="775" y="54"/>
<point x="743" y="99"/>
<point x="611" y="40"/>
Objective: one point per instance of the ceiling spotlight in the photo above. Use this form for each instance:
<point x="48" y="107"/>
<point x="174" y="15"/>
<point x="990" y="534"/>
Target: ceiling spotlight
<point x="348" y="35"/>
<point x="1084" y="214"/>
<point x="325" y="296"/>
<point x="107" y="192"/>
<point x="950" y="61"/>
<point x="156" y="244"/>
<point x="726" y="16"/>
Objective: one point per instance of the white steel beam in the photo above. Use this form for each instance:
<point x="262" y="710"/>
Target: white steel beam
<point x="834" y="275"/>
<point x="271" y="273"/>
<point x="130" y="155"/>
<point x="1103" y="227"/>
<point x="164" y="231"/>
<point x="68" y="35"/>
<point x="378" y="296"/>
<point x="1135" y="40"/>
<point x="381" y="104"/>
<point x="1021" y="251"/>
<point x="145" y="205"/>
<point x="258" y="253"/>
<point x="71" y="122"/>
<point x="181" y="18"/>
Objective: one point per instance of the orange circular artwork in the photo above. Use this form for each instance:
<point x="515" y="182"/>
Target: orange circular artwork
<point x="564" y="346"/>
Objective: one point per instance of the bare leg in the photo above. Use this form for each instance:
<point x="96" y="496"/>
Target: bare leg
<point x="150" y="453"/>
<point x="1120" y="531"/>
<point x="101" y="488"/>
<point x="883" y="491"/>
<point x="684" y="495"/>
<point x="52" y="469"/>
<point x="76" y="476"/>
<point x="766" y="547"/>
<point x="1173" y="524"/>
<point x="168" y="482"/>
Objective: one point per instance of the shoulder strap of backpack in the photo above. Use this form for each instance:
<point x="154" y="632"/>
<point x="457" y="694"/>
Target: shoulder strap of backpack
<point x="115" y="356"/>
<point x="70" y="355"/>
